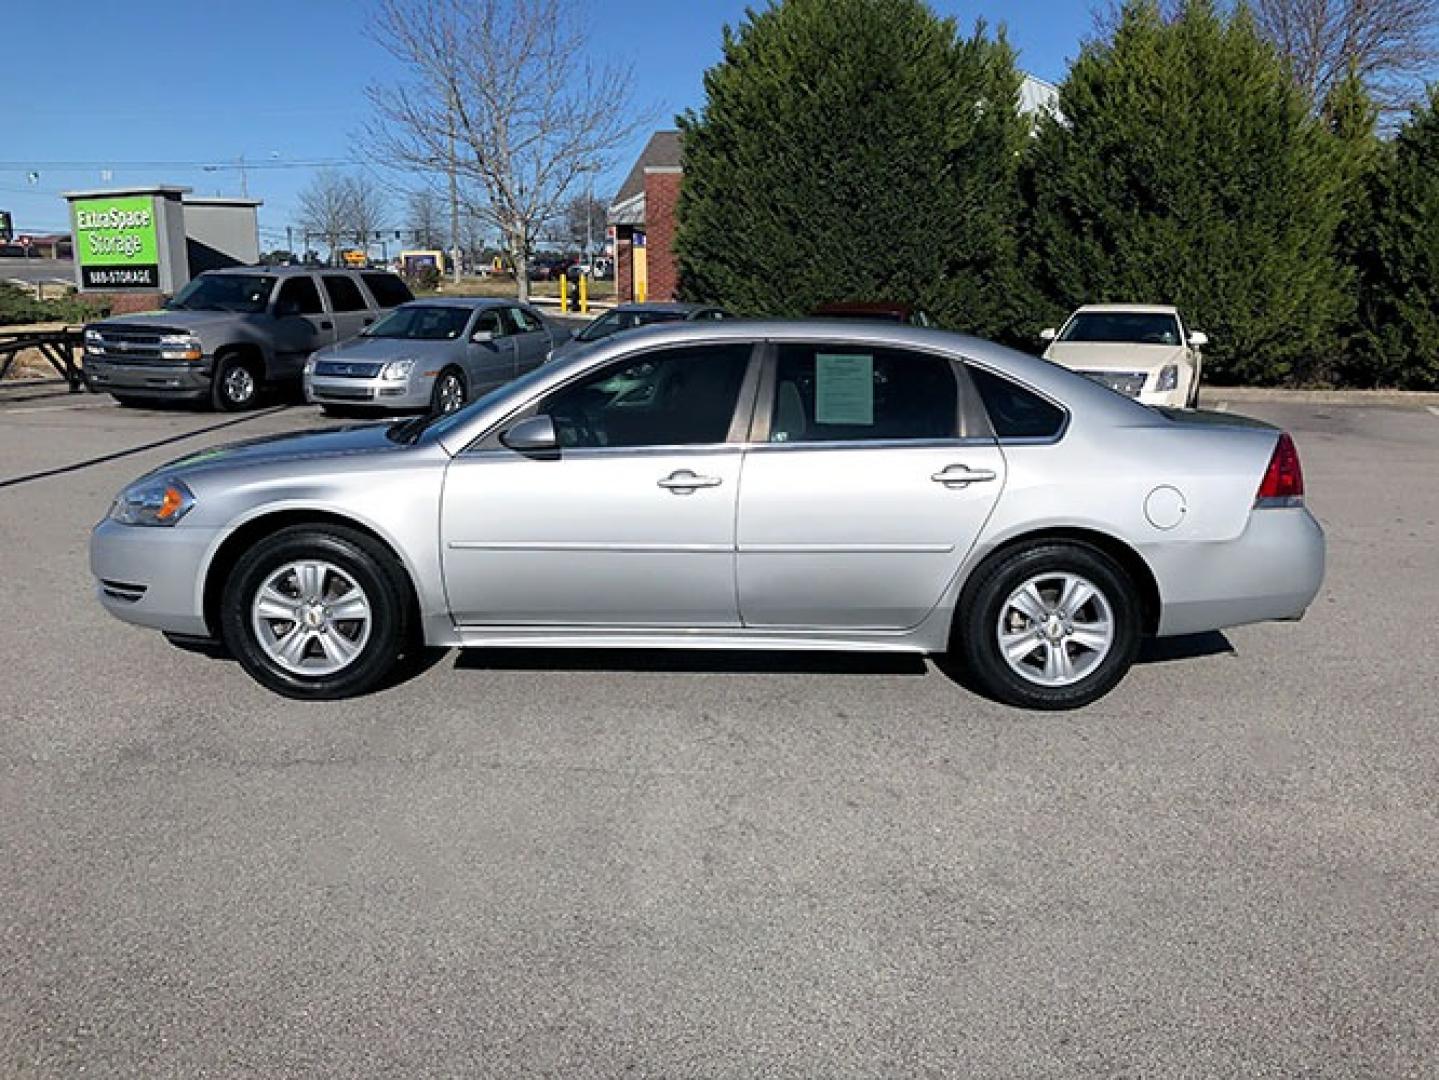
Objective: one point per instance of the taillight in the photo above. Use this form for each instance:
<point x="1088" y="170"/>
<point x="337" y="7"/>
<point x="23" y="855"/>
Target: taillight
<point x="1283" y="483"/>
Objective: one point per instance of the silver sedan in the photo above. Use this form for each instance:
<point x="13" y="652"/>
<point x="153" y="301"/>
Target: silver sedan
<point x="732" y="485"/>
<point x="434" y="354"/>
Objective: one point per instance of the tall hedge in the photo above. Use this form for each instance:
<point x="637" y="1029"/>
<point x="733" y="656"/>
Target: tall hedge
<point x="1398" y="263"/>
<point x="1187" y="169"/>
<point x="855" y="149"/>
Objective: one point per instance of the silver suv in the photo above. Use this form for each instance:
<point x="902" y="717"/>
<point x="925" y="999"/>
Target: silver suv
<point x="229" y="333"/>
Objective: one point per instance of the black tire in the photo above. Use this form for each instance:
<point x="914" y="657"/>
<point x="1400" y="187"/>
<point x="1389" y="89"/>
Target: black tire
<point x="437" y="395"/>
<point x="371" y="566"/>
<point x="235" y="386"/>
<point x="977" y="625"/>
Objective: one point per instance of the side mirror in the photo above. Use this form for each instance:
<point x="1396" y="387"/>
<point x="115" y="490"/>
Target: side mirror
<point x="1049" y="333"/>
<point x="1198" y="339"/>
<point x="533" y="435"/>
<point x="482" y="337"/>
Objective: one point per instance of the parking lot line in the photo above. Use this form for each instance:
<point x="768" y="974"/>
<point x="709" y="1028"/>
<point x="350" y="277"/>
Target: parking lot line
<point x="1223" y="406"/>
<point x="1433" y="409"/>
<point x="59" y="408"/>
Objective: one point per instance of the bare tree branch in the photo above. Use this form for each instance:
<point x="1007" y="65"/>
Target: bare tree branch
<point x="500" y="93"/>
<point x="1393" y="45"/>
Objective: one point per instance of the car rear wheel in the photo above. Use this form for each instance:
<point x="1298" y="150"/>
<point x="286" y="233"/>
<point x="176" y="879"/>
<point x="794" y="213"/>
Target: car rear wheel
<point x="235" y="385"/>
<point x="449" y="393"/>
<point x="1050" y="626"/>
<point x="317" y="613"/>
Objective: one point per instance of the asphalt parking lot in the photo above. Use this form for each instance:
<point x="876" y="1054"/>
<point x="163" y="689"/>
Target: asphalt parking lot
<point x="620" y="864"/>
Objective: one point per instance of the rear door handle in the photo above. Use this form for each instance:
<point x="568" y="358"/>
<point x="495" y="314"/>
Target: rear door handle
<point x="958" y="476"/>
<point x="683" y="482"/>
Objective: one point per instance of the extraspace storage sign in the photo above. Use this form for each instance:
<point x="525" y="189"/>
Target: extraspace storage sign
<point x="117" y="242"/>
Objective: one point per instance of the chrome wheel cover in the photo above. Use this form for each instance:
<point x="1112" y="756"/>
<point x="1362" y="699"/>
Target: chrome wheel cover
<point x="450" y="394"/>
<point x="311" y="618"/>
<point x="1055" y="629"/>
<point x="239" y="384"/>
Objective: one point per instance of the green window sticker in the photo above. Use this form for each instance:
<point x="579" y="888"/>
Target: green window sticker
<point x="844" y="388"/>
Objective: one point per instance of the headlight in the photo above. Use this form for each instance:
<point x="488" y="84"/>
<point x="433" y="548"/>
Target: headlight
<point x="1168" y="378"/>
<point x="310" y="365"/>
<point x="397" y="370"/>
<point x="179" y="347"/>
<point x="160" y="502"/>
<point x="93" y="341"/>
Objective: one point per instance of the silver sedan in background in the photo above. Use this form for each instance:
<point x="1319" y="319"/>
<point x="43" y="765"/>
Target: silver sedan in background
<point x="433" y="354"/>
<point x="815" y="485"/>
<point x="625" y="317"/>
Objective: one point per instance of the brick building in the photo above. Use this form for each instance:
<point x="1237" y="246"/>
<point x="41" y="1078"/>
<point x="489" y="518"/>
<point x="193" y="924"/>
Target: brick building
<point x="643" y="217"/>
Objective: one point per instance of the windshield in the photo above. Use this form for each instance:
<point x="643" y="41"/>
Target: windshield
<point x="407" y="431"/>
<point x="1128" y="327"/>
<point x="422" y="322"/>
<point x="247" y="293"/>
<point x="613" y="322"/>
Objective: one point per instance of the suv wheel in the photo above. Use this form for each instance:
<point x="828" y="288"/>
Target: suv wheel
<point x="235" y="386"/>
<point x="317" y="612"/>
<point x="1050" y="626"/>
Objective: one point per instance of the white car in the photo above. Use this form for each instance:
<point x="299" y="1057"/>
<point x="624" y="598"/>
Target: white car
<point x="1141" y="350"/>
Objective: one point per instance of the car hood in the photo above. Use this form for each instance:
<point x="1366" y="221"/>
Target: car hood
<point x="275" y="449"/>
<point x="180" y="320"/>
<point x="367" y="348"/>
<point x="1113" y="356"/>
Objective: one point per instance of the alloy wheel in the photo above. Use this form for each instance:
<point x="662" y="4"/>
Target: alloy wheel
<point x="1055" y="629"/>
<point x="311" y="618"/>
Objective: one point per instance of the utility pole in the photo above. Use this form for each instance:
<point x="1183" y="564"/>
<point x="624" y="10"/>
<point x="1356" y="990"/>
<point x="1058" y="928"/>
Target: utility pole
<point x="454" y="200"/>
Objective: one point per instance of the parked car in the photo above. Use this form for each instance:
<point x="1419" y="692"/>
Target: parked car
<point x="874" y="311"/>
<point x="1140" y="350"/>
<point x="230" y="333"/>
<point x="630" y="316"/>
<point x="740" y="485"/>
<point x="430" y="354"/>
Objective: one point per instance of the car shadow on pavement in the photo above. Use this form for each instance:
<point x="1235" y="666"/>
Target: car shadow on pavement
<point x="691" y="661"/>
<point x="1188" y="647"/>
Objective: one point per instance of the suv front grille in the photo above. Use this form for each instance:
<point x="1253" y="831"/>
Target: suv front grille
<point x="1126" y="382"/>
<point x="134" y="344"/>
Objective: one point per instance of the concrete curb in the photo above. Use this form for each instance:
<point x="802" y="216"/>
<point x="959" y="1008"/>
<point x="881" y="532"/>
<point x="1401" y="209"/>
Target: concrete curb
<point x="1213" y="395"/>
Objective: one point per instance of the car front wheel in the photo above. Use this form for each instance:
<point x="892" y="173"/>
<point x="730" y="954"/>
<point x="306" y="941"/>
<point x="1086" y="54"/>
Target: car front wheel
<point x="1050" y="626"/>
<point x="317" y="612"/>
<point x="236" y="384"/>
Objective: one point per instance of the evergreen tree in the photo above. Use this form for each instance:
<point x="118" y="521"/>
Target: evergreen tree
<point x="1187" y="169"/>
<point x="854" y="149"/>
<point x="1398" y="261"/>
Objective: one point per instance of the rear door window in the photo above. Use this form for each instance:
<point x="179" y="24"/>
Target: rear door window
<point x="345" y="295"/>
<point x="298" y="296"/>
<point x="858" y="393"/>
<point x="388" y="290"/>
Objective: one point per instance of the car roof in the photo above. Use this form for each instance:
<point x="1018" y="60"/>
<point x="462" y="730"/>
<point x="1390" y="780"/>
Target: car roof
<point x="1130" y="309"/>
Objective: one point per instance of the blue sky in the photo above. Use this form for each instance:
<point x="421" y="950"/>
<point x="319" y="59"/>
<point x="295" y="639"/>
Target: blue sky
<point x="281" y="82"/>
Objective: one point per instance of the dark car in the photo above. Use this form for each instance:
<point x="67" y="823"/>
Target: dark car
<point x="628" y="316"/>
<point x="874" y="311"/>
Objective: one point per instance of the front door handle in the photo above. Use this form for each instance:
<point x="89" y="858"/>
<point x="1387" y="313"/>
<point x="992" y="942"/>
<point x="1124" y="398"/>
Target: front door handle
<point x="684" y="482"/>
<point x="958" y="476"/>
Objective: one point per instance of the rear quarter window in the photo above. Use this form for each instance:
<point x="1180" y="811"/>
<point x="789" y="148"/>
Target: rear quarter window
<point x="1014" y="412"/>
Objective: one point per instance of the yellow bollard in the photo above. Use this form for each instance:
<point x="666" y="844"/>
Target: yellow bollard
<point x="564" y="293"/>
<point x="584" y="294"/>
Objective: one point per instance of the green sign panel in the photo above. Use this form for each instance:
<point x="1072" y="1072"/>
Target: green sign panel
<point x="117" y="243"/>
